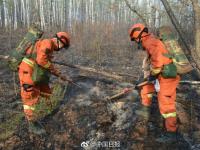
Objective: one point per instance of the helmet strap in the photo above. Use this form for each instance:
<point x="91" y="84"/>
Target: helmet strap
<point x="140" y="35"/>
<point x="139" y="44"/>
<point x="145" y="35"/>
<point x="60" y="39"/>
<point x="58" y="44"/>
<point x="140" y="38"/>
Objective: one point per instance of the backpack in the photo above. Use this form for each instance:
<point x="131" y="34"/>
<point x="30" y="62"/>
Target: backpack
<point x="175" y="51"/>
<point x="17" y="54"/>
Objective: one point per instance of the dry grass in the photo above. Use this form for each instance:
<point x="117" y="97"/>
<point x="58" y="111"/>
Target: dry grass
<point x="8" y="127"/>
<point x="47" y="106"/>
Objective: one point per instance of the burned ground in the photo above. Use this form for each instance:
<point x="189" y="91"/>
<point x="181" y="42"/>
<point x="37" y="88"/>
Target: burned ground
<point x="85" y="115"/>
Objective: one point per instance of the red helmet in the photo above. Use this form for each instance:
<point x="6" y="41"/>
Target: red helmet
<point x="63" y="37"/>
<point x="136" y="31"/>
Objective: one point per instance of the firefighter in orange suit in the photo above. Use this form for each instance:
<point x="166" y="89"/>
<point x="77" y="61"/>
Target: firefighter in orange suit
<point x="30" y="92"/>
<point x="167" y="93"/>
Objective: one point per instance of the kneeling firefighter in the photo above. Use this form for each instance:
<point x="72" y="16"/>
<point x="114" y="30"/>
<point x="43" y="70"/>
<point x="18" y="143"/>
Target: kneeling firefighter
<point x="34" y="72"/>
<point x="164" y="71"/>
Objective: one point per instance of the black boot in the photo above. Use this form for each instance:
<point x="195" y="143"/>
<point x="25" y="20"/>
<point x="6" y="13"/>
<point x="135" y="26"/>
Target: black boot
<point x="143" y="112"/>
<point x="36" y="128"/>
<point x="168" y="137"/>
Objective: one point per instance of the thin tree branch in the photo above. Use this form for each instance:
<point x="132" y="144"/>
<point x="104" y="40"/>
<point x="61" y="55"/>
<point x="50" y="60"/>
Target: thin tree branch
<point x="136" y="12"/>
<point x="190" y="82"/>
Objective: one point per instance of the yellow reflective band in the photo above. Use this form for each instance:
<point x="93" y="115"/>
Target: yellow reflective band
<point x="149" y="95"/>
<point x="47" y="65"/>
<point x="168" y="115"/>
<point x="26" y="107"/>
<point x="27" y="61"/>
<point x="179" y="63"/>
<point x="155" y="71"/>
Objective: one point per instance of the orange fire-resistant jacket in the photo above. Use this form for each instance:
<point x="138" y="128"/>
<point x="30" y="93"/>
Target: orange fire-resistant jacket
<point x="156" y="49"/>
<point x="44" y="50"/>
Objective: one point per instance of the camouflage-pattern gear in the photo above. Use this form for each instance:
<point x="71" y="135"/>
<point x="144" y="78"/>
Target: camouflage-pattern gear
<point x="175" y="51"/>
<point x="47" y="105"/>
<point x="17" y="54"/>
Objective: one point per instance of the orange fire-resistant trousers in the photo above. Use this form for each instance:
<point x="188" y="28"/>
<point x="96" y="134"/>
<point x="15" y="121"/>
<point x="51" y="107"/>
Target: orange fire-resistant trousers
<point x="166" y="100"/>
<point x="30" y="96"/>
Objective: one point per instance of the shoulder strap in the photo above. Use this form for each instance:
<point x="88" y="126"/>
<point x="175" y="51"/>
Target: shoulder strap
<point x="168" y="55"/>
<point x="32" y="52"/>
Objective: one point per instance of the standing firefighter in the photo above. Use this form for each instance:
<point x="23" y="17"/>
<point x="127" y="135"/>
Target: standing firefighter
<point x="34" y="73"/>
<point x="162" y="69"/>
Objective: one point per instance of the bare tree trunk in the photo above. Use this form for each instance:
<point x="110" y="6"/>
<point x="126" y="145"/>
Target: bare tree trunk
<point x="3" y="14"/>
<point x="15" y="15"/>
<point x="196" y="9"/>
<point x="93" y="70"/>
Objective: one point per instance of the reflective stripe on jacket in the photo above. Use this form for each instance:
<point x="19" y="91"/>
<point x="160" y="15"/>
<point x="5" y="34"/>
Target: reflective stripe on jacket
<point x="155" y="49"/>
<point x="28" y="62"/>
<point x="26" y="107"/>
<point x="168" y="115"/>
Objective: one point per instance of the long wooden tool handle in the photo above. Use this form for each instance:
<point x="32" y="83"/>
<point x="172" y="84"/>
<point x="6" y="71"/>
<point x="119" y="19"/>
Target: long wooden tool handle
<point x="117" y="95"/>
<point x="143" y="83"/>
<point x="125" y="91"/>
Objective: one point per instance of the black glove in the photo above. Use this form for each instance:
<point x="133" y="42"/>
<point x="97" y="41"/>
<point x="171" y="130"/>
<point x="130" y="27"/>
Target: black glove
<point x="27" y="87"/>
<point x="139" y="81"/>
<point x="137" y="87"/>
<point x="151" y="78"/>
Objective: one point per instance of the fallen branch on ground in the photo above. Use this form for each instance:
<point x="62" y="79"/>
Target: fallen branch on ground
<point x="6" y="57"/>
<point x="190" y="82"/>
<point x="93" y="70"/>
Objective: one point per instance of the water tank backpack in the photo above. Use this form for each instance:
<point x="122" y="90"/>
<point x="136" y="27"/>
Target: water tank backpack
<point x="175" y="51"/>
<point x="29" y="40"/>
